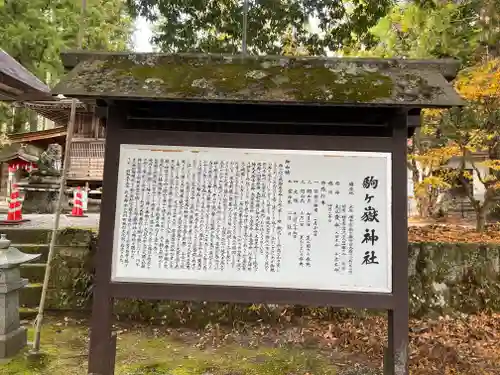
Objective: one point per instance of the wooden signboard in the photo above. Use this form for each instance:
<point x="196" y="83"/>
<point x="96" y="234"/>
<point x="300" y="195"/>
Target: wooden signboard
<point x="223" y="217"/>
<point x="255" y="180"/>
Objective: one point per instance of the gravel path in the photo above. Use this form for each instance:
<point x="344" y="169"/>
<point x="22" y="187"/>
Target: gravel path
<point x="46" y="221"/>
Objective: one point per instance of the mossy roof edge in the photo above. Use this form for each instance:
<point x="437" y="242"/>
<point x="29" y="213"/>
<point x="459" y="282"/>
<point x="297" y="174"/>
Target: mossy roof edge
<point x="264" y="79"/>
<point x="448" y="67"/>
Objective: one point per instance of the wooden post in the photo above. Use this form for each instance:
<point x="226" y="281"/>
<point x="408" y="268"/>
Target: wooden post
<point x="101" y="354"/>
<point x="398" y="315"/>
<point x="244" y="41"/>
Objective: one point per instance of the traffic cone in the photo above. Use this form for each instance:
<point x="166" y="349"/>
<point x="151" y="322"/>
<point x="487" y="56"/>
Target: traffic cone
<point x="12" y="205"/>
<point x="77" y="210"/>
<point x="18" y="205"/>
<point x="14" y="215"/>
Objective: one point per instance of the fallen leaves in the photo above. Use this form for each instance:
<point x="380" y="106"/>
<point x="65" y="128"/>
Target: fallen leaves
<point x="461" y="345"/>
<point x="453" y="233"/>
<point x="464" y="345"/>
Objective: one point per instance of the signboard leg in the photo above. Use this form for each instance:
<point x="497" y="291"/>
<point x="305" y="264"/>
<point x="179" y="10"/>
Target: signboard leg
<point x="388" y="362"/>
<point x="102" y="348"/>
<point x="397" y="353"/>
<point x="112" y="353"/>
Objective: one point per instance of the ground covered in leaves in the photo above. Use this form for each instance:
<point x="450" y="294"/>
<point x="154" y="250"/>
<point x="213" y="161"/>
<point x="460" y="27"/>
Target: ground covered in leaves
<point x="348" y="345"/>
<point x="453" y="233"/>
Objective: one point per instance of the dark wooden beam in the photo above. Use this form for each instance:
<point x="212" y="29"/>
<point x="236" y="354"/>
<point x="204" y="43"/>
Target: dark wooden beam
<point x="258" y="128"/>
<point x="256" y="113"/>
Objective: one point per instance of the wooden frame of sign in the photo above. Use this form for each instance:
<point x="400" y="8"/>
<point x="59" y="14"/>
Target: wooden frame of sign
<point x="115" y="282"/>
<point x="208" y="197"/>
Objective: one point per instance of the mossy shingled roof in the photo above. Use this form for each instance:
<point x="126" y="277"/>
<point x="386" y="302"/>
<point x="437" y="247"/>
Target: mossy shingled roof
<point x="271" y="79"/>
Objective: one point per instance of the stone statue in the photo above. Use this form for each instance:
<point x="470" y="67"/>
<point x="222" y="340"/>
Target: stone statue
<point x="41" y="186"/>
<point x="48" y="162"/>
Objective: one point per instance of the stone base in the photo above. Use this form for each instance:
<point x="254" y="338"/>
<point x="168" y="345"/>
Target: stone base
<point x="13" y="342"/>
<point x="40" y="201"/>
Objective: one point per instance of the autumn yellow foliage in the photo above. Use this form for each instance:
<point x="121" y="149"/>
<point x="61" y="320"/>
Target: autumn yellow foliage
<point x="291" y="47"/>
<point x="481" y="82"/>
<point x="432" y="175"/>
<point x="474" y="128"/>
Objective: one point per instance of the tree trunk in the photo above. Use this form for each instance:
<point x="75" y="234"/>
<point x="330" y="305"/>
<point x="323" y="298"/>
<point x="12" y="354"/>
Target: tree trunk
<point x="423" y="206"/>
<point x="33" y="121"/>
<point x="415" y="176"/>
<point x="18" y="121"/>
<point x="481" y="218"/>
<point x="420" y="207"/>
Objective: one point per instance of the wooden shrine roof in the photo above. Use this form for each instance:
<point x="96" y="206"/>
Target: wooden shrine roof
<point x="17" y="83"/>
<point x="261" y="79"/>
<point x="57" y="110"/>
<point x="26" y="152"/>
<point x="53" y="134"/>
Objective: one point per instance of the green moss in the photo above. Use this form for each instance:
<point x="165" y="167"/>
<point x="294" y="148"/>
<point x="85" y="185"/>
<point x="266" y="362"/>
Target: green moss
<point x="21" y="366"/>
<point x="250" y="79"/>
<point x="271" y="79"/>
<point x="61" y="348"/>
<point x="74" y="236"/>
<point x="65" y="346"/>
<point x="230" y="361"/>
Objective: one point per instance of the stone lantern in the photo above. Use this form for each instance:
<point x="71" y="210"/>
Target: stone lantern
<point x="13" y="337"/>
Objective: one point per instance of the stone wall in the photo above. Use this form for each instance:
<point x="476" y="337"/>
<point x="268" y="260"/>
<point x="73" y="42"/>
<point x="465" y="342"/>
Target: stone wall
<point x="71" y="272"/>
<point x="444" y="278"/>
<point x="450" y="277"/>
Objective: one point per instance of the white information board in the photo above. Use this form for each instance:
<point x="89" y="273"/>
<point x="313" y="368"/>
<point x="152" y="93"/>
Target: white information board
<point x="315" y="220"/>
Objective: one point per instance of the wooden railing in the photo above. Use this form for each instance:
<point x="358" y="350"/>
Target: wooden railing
<point x="87" y="160"/>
